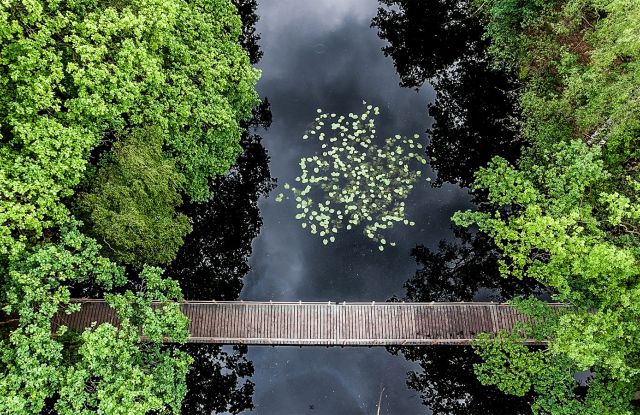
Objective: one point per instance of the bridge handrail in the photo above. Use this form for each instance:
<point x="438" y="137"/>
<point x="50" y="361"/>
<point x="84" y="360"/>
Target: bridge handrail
<point x="249" y="302"/>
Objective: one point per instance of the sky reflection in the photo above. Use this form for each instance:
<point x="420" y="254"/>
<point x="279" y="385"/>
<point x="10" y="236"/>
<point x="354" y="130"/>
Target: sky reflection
<point x="323" y="54"/>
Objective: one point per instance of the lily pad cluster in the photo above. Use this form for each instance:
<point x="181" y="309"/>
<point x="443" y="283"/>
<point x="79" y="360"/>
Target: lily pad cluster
<point x="353" y="180"/>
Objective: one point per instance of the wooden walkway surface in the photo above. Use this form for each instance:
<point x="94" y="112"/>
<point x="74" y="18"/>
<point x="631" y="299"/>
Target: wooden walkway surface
<point x="331" y="324"/>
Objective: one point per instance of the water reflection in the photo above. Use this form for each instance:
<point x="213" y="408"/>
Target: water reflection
<point x="475" y="107"/>
<point x="463" y="270"/>
<point x="448" y="386"/>
<point x="217" y="380"/>
<point x="214" y="258"/>
<point x="426" y="37"/>
<point x="474" y="113"/>
<point x="211" y="265"/>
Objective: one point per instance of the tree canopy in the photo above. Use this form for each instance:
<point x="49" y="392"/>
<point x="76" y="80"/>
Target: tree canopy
<point x="566" y="213"/>
<point x="110" y="112"/>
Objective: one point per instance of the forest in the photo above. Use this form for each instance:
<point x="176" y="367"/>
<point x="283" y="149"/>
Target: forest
<point x="127" y="158"/>
<point x="566" y="212"/>
<point x="111" y="123"/>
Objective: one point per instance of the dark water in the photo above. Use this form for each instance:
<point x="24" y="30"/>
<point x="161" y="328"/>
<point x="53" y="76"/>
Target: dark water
<point x="423" y="64"/>
<point x="325" y="55"/>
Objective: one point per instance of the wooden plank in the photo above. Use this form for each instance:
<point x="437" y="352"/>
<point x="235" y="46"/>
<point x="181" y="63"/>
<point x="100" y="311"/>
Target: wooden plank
<point x="506" y="324"/>
<point x="483" y="313"/>
<point x="264" y="315"/>
<point x="360" y="322"/>
<point x="310" y="321"/>
<point x="402" y="328"/>
<point x="375" y="326"/>
<point x="277" y="317"/>
<point x="475" y="321"/>
<point x="464" y="318"/>
<point x="263" y="312"/>
<point x="441" y="328"/>
<point x="458" y="314"/>
<point x="432" y="324"/>
<point x="421" y="324"/>
<point x="216" y="324"/>
<point x="469" y="326"/>
<point x="379" y="316"/>
<point x="274" y="321"/>
<point x="396" y="326"/>
<point x="392" y="322"/>
<point x="352" y="323"/>
<point x="388" y="321"/>
<point x="445" y="322"/>
<point x="288" y="321"/>
<point x="381" y="321"/>
<point x="239" y="315"/>
<point x="485" y="320"/>
<point x="230" y="322"/>
<point x="211" y="325"/>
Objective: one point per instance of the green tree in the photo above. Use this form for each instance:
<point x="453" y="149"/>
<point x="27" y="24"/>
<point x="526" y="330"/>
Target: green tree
<point x="72" y="72"/>
<point x="104" y="368"/>
<point x="567" y="213"/>
<point x="131" y="202"/>
<point x="74" y="76"/>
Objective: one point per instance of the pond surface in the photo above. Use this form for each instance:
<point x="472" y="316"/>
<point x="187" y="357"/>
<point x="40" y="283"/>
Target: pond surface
<point x="325" y="54"/>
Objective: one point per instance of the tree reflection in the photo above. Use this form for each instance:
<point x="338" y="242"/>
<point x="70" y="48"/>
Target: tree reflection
<point x="249" y="37"/>
<point x="426" y="37"/>
<point x="214" y="258"/>
<point x="447" y="384"/>
<point x="211" y="265"/>
<point x="474" y="119"/>
<point x="475" y="106"/>
<point x="459" y="271"/>
<point x="216" y="381"/>
<point x="464" y="270"/>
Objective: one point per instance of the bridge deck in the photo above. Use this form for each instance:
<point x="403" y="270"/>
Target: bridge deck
<point x="331" y="324"/>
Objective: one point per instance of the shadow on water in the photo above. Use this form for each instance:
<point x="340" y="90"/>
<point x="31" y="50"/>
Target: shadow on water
<point x="475" y="110"/>
<point x="214" y="258"/>
<point x="211" y="264"/>
<point x="475" y="118"/>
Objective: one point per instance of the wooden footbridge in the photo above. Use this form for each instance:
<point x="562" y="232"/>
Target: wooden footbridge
<point x="327" y="324"/>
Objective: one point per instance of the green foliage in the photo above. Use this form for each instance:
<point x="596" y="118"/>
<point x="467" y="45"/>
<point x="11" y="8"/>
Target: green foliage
<point x="517" y="370"/>
<point x="71" y="72"/>
<point x="103" y="368"/>
<point x="555" y="235"/>
<point x="582" y="69"/>
<point x="555" y="232"/>
<point x="567" y="214"/>
<point x="512" y="22"/>
<point x="74" y="76"/>
<point x="131" y="202"/>
<point x="355" y="181"/>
